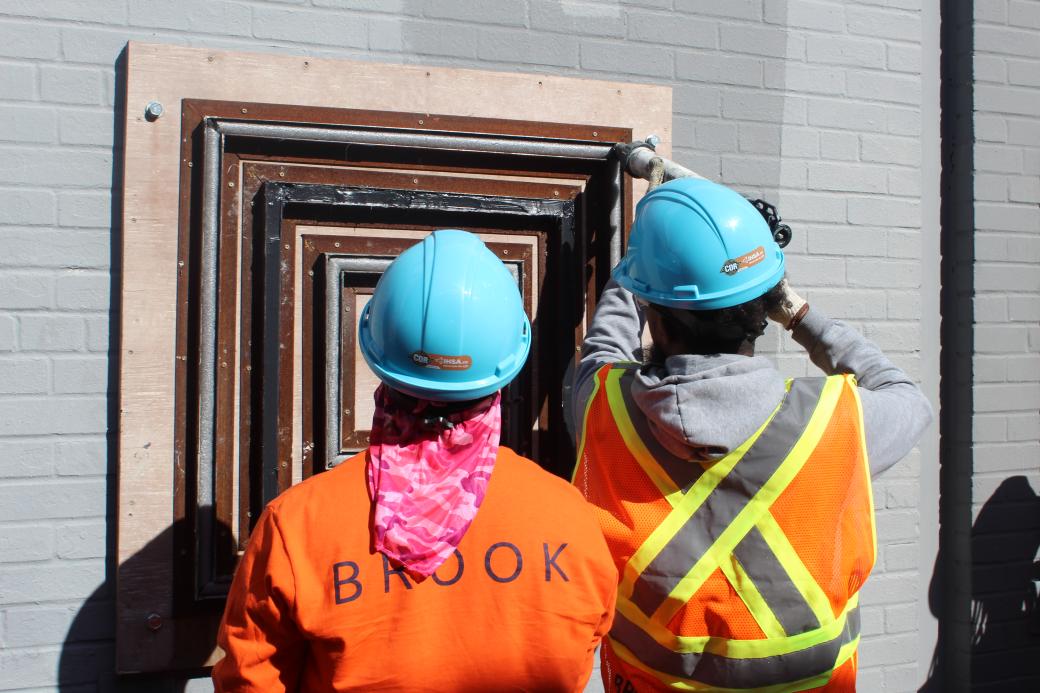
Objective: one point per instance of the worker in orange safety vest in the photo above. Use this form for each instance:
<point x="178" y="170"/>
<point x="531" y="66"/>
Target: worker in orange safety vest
<point x="736" y="503"/>
<point x="437" y="559"/>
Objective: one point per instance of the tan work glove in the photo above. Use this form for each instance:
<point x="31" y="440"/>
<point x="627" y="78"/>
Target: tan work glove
<point x="792" y="308"/>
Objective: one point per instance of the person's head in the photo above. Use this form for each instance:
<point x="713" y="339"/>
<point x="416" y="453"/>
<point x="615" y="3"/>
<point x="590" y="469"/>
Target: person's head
<point x="705" y="262"/>
<point x="723" y="331"/>
<point x="445" y="322"/>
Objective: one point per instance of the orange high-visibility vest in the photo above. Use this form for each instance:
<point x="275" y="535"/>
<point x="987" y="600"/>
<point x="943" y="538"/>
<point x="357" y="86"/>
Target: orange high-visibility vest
<point x="742" y="573"/>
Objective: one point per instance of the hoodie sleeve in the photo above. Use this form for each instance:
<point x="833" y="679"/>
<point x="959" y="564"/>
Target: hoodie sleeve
<point x="613" y="336"/>
<point x="895" y="411"/>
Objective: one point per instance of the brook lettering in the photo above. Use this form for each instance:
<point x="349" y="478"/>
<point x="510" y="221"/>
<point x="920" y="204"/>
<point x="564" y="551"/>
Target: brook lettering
<point x="347" y="577"/>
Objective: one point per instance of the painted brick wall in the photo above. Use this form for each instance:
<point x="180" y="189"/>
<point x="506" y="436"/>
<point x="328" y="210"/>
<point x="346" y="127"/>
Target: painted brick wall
<point x="813" y="104"/>
<point x="1006" y="508"/>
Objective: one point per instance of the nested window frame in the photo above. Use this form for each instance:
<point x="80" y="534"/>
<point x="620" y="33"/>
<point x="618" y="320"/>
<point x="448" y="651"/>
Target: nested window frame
<point x="167" y="616"/>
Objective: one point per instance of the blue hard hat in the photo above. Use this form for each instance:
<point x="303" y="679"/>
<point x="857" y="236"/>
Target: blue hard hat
<point x="446" y="321"/>
<point x="698" y="245"/>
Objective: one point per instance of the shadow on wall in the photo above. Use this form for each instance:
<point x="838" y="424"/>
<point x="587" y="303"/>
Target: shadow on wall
<point x="1005" y="618"/>
<point x="89" y="665"/>
<point x="87" y="661"/>
<point x="88" y="656"/>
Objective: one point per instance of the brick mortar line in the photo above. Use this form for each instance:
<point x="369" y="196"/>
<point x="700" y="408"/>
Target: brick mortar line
<point x="745" y="90"/>
<point x="993" y="476"/>
<point x="48" y="523"/>
<point x="63" y="107"/>
<point x="20" y="145"/>
<point x="67" y="437"/>
<point x="43" y="312"/>
<point x="70" y="354"/>
<point x="17" y="480"/>
<point x="45" y="482"/>
<point x="74" y="396"/>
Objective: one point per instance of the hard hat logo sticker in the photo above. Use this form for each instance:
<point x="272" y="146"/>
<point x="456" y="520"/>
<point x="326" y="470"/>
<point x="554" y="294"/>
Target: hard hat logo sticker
<point x="441" y="362"/>
<point x="731" y="267"/>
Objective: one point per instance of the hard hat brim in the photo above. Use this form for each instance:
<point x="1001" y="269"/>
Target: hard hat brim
<point x="713" y="301"/>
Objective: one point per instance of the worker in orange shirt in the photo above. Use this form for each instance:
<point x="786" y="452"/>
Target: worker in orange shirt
<point x="437" y="559"/>
<point x="737" y="504"/>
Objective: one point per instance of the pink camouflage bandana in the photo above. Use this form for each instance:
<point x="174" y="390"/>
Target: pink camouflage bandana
<point x="426" y="484"/>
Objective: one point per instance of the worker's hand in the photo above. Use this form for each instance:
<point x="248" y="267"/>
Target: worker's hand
<point x="792" y="307"/>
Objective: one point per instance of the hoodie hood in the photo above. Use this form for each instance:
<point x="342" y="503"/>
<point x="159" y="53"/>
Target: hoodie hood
<point x="702" y="407"/>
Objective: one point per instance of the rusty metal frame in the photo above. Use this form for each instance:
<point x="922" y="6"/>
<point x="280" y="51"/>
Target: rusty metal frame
<point x="252" y="174"/>
<point x="215" y="132"/>
<point x="216" y="141"/>
<point x="277" y="197"/>
<point x="336" y="266"/>
<point x="395" y="137"/>
<point x="316" y="453"/>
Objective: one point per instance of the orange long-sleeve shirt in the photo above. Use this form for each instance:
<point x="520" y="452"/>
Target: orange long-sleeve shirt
<point x="521" y="606"/>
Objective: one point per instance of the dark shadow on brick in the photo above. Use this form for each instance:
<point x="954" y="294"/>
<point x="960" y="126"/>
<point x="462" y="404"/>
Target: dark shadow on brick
<point x="1005" y="653"/>
<point x="87" y="660"/>
<point x="88" y="663"/>
<point x="950" y="588"/>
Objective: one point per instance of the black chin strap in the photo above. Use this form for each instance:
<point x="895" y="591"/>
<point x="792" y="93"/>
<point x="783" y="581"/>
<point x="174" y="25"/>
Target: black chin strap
<point x="435" y="415"/>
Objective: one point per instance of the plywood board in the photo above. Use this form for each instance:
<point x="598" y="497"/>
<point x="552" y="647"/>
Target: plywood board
<point x="168" y="74"/>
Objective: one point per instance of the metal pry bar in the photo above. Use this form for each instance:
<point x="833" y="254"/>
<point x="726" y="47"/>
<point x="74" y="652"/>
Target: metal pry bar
<point x="640" y="160"/>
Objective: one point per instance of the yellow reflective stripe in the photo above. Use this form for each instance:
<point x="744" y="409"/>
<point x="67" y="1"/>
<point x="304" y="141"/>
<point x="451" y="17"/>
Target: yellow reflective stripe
<point x="758" y="505"/>
<point x="585" y="422"/>
<point x="846" y="652"/>
<point x="866" y="464"/>
<point x="736" y="649"/>
<point x="632" y="440"/>
<point x="752" y="598"/>
<point x="685" y="506"/>
<point x="801" y="577"/>
<point x="680" y="684"/>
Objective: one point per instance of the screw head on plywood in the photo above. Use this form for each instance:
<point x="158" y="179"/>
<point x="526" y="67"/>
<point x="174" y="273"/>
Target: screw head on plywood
<point x="153" y="111"/>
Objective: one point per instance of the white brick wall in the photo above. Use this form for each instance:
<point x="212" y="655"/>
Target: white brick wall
<point x="814" y="104"/>
<point x="1006" y="431"/>
<point x="859" y="209"/>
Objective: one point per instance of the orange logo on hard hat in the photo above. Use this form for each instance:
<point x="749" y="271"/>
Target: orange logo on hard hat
<point x="441" y="362"/>
<point x="731" y="267"/>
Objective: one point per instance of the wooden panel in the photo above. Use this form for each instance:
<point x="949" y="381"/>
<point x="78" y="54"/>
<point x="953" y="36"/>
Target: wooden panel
<point x="356" y="403"/>
<point x="160" y="291"/>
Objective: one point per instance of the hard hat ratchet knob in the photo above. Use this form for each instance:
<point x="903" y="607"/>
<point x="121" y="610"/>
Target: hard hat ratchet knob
<point x="781" y="232"/>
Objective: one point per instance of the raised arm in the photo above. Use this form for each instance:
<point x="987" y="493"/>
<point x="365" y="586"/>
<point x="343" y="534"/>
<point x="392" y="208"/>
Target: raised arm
<point x="895" y="411"/>
<point x="613" y="336"/>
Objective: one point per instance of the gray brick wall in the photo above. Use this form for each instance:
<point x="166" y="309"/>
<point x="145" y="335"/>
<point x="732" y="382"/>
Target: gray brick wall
<point x="1005" y="535"/>
<point x="813" y="104"/>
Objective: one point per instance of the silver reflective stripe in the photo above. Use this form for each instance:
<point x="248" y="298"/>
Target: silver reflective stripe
<point x="700" y="531"/>
<point x="773" y="583"/>
<point x="683" y="473"/>
<point x="730" y="672"/>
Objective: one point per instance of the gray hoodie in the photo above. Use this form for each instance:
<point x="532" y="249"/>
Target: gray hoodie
<point x="705" y="406"/>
